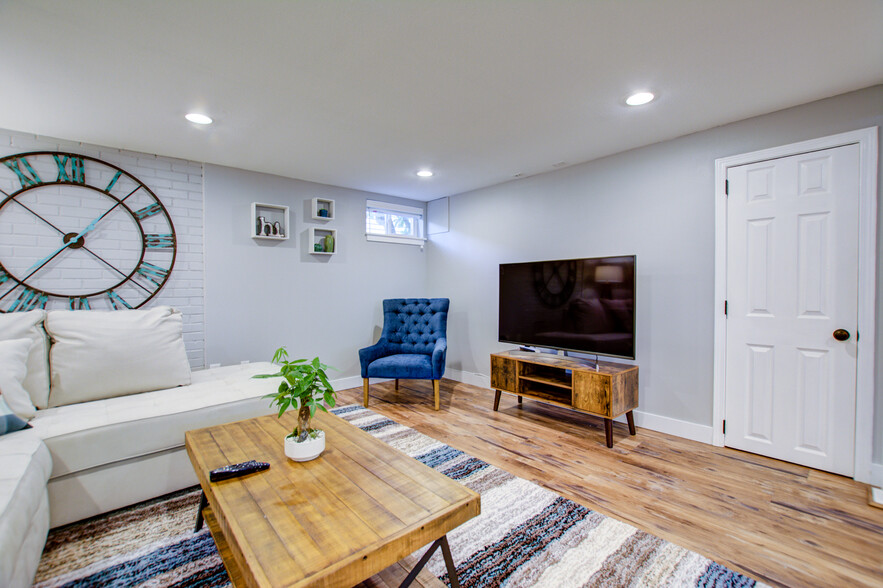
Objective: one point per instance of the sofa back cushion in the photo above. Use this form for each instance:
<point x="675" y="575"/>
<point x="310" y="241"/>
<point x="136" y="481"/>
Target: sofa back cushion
<point x="13" y="369"/>
<point x="29" y="325"/>
<point x="98" y="354"/>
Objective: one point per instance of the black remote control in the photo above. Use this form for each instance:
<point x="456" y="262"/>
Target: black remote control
<point x="237" y="469"/>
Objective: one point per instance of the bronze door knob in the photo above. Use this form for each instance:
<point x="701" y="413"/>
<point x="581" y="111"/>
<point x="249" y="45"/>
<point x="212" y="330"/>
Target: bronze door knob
<point x="841" y="334"/>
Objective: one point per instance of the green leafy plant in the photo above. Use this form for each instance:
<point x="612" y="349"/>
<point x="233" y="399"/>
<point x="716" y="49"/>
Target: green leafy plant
<point x="304" y="387"/>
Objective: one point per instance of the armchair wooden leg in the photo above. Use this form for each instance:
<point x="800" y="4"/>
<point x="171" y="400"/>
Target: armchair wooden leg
<point x="397" y="384"/>
<point x="435" y="387"/>
<point x="365" y="387"/>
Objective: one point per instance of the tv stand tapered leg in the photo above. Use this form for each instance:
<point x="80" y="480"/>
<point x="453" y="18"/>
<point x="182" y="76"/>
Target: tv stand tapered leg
<point x="497" y="400"/>
<point x="608" y="431"/>
<point x="631" y="419"/>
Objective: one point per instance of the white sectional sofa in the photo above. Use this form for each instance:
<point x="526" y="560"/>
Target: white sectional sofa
<point x="109" y="430"/>
<point x="25" y="466"/>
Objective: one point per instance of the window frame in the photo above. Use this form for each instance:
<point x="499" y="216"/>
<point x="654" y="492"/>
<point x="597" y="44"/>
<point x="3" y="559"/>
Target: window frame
<point x="391" y="208"/>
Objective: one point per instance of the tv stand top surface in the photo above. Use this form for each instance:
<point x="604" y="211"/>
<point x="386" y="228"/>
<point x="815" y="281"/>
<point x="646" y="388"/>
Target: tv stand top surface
<point x="570" y="363"/>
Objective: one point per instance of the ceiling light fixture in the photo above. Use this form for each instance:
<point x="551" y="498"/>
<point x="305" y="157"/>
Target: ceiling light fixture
<point x="199" y="119"/>
<point x="424" y="173"/>
<point x="639" y="98"/>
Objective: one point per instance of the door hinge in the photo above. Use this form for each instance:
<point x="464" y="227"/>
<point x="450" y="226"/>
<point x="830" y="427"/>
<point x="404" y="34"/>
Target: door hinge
<point x="725" y="426"/>
<point x="727" y="187"/>
<point x="725" y="308"/>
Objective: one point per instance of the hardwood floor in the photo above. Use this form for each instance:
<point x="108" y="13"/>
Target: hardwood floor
<point x="780" y="523"/>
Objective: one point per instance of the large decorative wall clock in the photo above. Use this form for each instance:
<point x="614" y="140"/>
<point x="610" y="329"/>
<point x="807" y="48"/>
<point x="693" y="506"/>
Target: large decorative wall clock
<point x="79" y="233"/>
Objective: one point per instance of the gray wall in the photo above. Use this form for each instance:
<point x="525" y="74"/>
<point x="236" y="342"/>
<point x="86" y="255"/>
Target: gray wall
<point x="260" y="295"/>
<point x="656" y="202"/>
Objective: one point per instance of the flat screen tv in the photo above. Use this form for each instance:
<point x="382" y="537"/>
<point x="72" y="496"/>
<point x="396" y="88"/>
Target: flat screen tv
<point x="585" y="305"/>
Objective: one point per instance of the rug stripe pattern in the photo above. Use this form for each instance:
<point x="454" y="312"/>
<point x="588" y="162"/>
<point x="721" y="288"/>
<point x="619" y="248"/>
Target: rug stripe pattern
<point x="529" y="536"/>
<point x="525" y="536"/>
<point x="148" y="544"/>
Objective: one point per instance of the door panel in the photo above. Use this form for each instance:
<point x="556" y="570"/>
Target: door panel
<point x="792" y="278"/>
<point x="761" y="367"/>
<point x="760" y="265"/>
<point x="812" y="397"/>
<point x="812" y="253"/>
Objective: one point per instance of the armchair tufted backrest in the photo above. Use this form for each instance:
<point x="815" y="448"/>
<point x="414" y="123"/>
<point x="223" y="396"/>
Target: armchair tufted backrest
<point x="415" y="324"/>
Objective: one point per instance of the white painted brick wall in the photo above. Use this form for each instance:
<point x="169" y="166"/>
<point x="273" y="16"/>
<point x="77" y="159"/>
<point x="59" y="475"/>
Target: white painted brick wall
<point x="178" y="185"/>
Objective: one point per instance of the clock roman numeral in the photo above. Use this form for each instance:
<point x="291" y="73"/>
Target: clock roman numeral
<point x="153" y="273"/>
<point x="79" y="303"/>
<point x="113" y="181"/>
<point x="117" y="301"/>
<point x="28" y="300"/>
<point x="148" y="211"/>
<point x="77" y="172"/>
<point x="27" y="176"/>
<point x="159" y="240"/>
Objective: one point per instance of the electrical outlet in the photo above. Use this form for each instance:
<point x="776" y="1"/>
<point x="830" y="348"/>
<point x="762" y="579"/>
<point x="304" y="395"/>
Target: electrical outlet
<point x="214" y="365"/>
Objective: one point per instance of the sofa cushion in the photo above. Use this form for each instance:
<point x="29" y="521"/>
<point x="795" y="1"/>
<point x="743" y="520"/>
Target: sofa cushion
<point x="102" y="354"/>
<point x="25" y="465"/>
<point x="92" y="434"/>
<point x="29" y="325"/>
<point x="13" y="362"/>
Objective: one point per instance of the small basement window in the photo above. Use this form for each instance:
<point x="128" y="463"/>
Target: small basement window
<point x="394" y="223"/>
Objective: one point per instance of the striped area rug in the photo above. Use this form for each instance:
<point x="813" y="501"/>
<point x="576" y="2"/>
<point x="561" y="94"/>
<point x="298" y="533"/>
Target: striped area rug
<point x="525" y="536"/>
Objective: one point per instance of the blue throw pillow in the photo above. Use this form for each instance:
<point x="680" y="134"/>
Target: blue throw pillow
<point x="8" y="421"/>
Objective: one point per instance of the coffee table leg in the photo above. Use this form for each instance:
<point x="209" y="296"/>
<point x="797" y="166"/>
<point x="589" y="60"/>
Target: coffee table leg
<point x="449" y="563"/>
<point x="203" y="502"/>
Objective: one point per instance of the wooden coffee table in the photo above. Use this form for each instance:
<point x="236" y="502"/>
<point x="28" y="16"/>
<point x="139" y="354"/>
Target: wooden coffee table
<point x="335" y="521"/>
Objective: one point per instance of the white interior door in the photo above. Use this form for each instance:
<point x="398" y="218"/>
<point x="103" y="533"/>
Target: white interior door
<point x="792" y="275"/>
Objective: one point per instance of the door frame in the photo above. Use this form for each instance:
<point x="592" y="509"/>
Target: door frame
<point x="867" y="283"/>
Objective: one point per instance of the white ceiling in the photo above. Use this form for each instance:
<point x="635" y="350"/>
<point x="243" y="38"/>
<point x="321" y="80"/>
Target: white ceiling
<point x="363" y="93"/>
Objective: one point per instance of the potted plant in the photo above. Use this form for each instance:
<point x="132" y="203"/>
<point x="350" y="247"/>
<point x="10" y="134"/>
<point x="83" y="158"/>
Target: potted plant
<point x="304" y="387"/>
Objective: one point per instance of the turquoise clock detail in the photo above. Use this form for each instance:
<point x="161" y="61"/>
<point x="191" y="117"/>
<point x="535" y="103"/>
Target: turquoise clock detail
<point x="79" y="233"/>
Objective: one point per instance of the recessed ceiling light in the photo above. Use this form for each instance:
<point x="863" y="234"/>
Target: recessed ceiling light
<point x="639" y="98"/>
<point x="424" y="173"/>
<point x="199" y="119"/>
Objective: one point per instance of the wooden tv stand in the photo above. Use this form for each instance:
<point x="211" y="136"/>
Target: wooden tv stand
<point x="609" y="392"/>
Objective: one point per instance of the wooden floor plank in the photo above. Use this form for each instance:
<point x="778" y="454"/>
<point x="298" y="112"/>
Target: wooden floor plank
<point x="781" y="523"/>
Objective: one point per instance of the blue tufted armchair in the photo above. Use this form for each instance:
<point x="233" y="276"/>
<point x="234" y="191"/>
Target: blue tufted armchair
<point x="412" y="345"/>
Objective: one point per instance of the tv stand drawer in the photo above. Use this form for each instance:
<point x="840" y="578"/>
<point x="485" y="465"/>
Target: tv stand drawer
<point x="503" y="373"/>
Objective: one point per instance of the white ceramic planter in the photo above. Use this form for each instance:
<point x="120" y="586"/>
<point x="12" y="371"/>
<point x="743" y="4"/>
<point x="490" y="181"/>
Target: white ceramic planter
<point x="305" y="450"/>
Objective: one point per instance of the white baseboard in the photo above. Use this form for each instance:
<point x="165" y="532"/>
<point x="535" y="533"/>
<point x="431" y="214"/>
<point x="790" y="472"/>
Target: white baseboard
<point x="876" y="475"/>
<point x="350" y="382"/>
<point x="654" y="422"/>
<point x="472" y="378"/>
<point x="670" y="426"/>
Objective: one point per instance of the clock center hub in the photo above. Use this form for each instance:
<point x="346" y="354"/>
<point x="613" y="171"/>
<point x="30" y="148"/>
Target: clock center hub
<point x="77" y="243"/>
